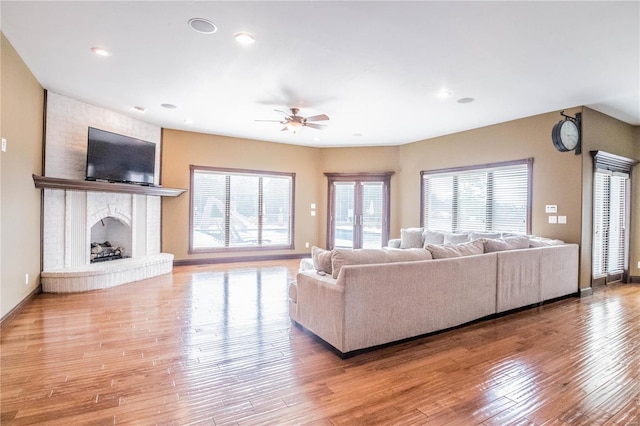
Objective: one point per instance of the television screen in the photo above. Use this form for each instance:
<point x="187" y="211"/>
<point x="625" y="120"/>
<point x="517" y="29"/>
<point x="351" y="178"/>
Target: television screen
<point x="118" y="158"/>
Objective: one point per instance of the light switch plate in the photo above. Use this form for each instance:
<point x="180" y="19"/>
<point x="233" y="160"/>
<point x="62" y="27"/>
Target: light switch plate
<point x="4" y="145"/>
<point x="562" y="219"/>
<point x="551" y="208"/>
<point x="553" y="219"/>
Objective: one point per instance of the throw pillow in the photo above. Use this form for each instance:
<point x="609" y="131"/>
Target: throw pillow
<point x="544" y="242"/>
<point x="411" y="238"/>
<point x="456" y="238"/>
<point x="508" y="243"/>
<point x="445" y="251"/>
<point x="433" y="237"/>
<point x="321" y="259"/>
<point x="488" y="235"/>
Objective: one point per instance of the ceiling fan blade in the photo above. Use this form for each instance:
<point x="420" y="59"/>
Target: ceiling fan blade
<point x="284" y="129"/>
<point x="315" y="126"/>
<point x="320" y="117"/>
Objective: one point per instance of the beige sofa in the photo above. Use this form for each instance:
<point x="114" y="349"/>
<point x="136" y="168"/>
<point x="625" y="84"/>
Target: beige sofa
<point x="373" y="304"/>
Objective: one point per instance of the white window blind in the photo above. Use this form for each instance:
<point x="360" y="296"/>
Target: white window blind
<point x="484" y="198"/>
<point x="609" y="219"/>
<point x="240" y="209"/>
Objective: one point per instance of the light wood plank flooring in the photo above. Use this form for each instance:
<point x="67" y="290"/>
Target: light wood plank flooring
<point x="214" y="345"/>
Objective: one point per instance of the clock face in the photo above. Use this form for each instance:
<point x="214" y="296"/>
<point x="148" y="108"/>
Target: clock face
<point x="569" y="134"/>
<point x="566" y="135"/>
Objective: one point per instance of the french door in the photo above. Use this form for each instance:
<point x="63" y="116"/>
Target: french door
<point x="358" y="215"/>
<point x="611" y="201"/>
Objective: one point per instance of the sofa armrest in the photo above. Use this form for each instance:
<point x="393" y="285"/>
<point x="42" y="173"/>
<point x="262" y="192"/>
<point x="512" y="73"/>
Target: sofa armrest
<point x="321" y="307"/>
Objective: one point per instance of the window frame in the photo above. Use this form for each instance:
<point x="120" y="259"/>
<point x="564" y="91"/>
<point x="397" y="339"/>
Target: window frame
<point x="478" y="168"/>
<point x="193" y="169"/>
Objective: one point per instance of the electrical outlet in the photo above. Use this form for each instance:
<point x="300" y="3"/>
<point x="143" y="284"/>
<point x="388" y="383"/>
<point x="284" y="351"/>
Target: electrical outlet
<point x="307" y="246"/>
<point x="26" y="279"/>
<point x="638" y="264"/>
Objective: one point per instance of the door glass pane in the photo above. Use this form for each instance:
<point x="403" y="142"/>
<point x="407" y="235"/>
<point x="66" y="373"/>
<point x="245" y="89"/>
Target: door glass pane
<point x="600" y="223"/>
<point x="617" y="209"/>
<point x="343" y="214"/>
<point x="372" y="196"/>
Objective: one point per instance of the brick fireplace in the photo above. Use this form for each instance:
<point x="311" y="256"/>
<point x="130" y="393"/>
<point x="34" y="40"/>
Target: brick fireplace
<point x="70" y="214"/>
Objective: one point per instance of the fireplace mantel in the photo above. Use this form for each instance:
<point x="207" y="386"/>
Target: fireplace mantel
<point x="84" y="185"/>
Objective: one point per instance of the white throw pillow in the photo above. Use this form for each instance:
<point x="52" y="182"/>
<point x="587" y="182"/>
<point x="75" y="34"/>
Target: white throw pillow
<point x="456" y="238"/>
<point x="508" y="243"/>
<point x="433" y="237"/>
<point x="544" y="242"/>
<point x="411" y="238"/>
<point x="445" y="251"/>
<point x="321" y="259"/>
<point x="489" y="235"/>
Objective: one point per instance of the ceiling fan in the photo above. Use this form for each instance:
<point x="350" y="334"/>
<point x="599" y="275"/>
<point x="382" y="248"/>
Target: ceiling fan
<point x="295" y="122"/>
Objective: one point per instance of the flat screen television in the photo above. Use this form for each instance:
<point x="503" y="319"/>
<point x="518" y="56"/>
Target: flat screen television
<point x="118" y="158"/>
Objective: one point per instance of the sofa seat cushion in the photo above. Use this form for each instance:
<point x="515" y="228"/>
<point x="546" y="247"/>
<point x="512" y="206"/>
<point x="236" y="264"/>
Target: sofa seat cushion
<point x="456" y="250"/>
<point x="342" y="257"/>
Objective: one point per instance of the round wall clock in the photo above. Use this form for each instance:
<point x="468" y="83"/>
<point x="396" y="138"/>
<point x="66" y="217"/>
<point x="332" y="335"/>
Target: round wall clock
<point x="566" y="135"/>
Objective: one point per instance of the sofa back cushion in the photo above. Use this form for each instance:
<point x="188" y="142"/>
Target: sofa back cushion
<point x="433" y="237"/>
<point x="508" y="243"/>
<point x="343" y="257"/>
<point x="445" y="251"/>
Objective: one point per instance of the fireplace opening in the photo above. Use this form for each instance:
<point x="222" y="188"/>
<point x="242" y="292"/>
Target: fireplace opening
<point x="110" y="240"/>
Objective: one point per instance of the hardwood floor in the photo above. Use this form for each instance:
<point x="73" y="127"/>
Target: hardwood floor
<point x="214" y="345"/>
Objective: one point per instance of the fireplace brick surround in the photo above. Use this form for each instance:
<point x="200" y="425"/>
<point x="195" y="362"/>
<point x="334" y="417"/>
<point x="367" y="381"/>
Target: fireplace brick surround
<point x="69" y="214"/>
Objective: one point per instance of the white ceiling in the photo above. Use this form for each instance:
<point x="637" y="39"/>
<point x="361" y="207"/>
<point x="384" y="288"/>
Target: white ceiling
<point x="374" y="68"/>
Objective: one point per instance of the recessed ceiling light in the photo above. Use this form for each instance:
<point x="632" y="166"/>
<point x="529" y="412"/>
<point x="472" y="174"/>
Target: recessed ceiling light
<point x="203" y="26"/>
<point x="100" y="51"/>
<point x="244" y="38"/>
<point x="168" y="106"/>
<point x="357" y="135"/>
<point x="139" y="108"/>
<point x="465" y="100"/>
<point x="444" y="93"/>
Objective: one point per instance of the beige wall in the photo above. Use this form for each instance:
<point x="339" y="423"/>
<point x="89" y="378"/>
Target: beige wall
<point x="556" y="175"/>
<point x="182" y="149"/>
<point x="559" y="178"/>
<point x="22" y="116"/>
<point x="358" y="160"/>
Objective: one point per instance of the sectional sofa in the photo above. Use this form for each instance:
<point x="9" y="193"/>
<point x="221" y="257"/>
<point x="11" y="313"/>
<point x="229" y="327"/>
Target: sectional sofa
<point x="358" y="299"/>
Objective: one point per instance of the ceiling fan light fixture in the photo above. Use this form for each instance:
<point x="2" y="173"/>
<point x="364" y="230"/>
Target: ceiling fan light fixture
<point x="294" y="126"/>
<point x="244" y="39"/>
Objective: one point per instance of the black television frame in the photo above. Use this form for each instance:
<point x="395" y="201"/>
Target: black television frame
<point x="118" y="158"/>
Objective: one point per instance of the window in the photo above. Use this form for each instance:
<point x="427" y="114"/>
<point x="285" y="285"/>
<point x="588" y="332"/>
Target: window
<point x="491" y="197"/>
<point x="240" y="209"/>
